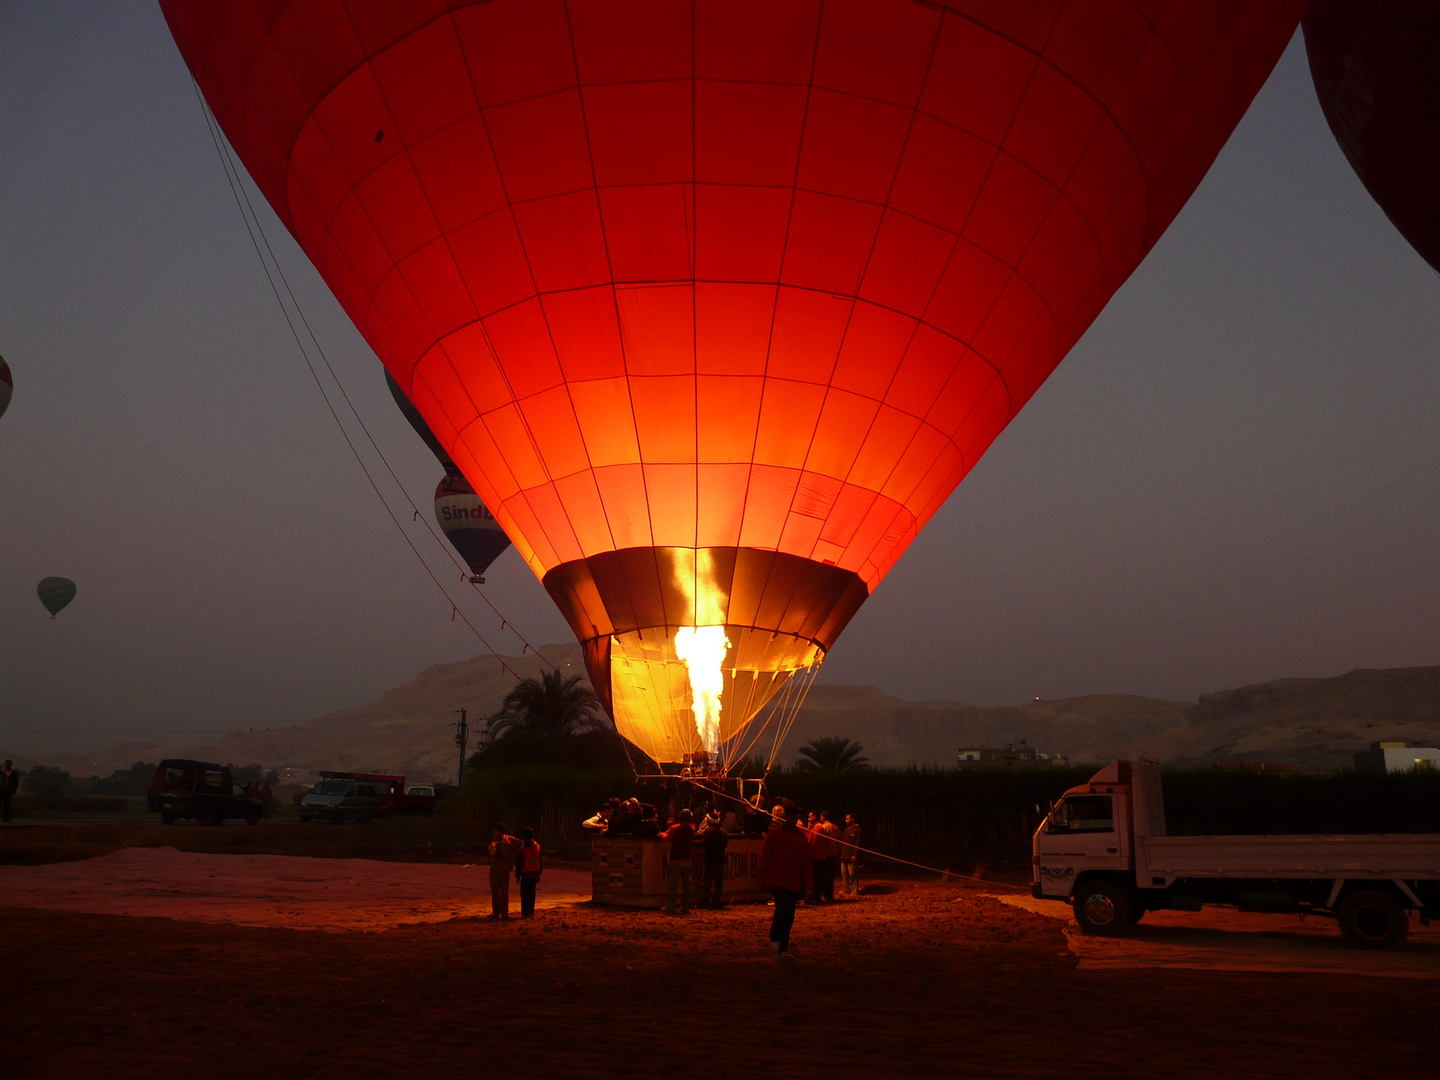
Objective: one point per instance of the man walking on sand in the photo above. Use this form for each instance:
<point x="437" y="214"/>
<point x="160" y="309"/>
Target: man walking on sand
<point x="504" y="849"/>
<point x="787" y="871"/>
<point x="681" y="836"/>
<point x="9" y="784"/>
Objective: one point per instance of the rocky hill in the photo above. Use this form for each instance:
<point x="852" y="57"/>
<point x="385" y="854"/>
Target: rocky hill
<point x="1309" y="723"/>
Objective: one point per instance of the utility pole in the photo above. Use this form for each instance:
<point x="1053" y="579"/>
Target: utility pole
<point x="462" y="739"/>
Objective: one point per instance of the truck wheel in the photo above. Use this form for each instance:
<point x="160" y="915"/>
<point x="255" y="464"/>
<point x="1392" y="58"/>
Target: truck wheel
<point x="1101" y="907"/>
<point x="167" y="819"/>
<point x="1372" y="919"/>
<point x="217" y="818"/>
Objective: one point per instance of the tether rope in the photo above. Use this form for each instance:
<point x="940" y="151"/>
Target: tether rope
<point x="253" y="227"/>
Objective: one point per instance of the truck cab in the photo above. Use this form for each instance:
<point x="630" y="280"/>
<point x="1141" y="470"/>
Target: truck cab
<point x="1087" y="831"/>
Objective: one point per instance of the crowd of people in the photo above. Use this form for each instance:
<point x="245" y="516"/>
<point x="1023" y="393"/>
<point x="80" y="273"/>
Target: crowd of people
<point x="801" y="860"/>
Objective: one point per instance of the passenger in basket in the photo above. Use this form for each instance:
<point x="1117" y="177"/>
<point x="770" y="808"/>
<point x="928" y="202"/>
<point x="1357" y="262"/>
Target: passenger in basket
<point x="604" y="818"/>
<point x="681" y="836"/>
<point x="503" y="850"/>
<point x="528" y="868"/>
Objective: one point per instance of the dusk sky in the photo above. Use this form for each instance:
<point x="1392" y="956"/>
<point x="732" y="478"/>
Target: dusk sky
<point x="1232" y="477"/>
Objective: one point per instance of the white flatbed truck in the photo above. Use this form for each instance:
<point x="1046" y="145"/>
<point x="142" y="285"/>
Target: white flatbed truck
<point x="1103" y="850"/>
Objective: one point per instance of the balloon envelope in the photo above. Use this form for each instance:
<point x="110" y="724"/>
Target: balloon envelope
<point x="7" y="385"/>
<point x="55" y="593"/>
<point x="1376" y="68"/>
<point x="715" y="303"/>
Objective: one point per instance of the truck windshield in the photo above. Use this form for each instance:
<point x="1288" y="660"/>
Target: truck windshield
<point x="1082" y="813"/>
<point x="329" y="787"/>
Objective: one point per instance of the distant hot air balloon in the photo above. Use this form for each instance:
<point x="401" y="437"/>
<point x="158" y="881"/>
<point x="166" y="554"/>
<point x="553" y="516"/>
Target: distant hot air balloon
<point x="1376" y="67"/>
<point x="418" y="423"/>
<point x="716" y="301"/>
<point x="55" y="593"/>
<point x="7" y="385"/>
<point x="471" y="529"/>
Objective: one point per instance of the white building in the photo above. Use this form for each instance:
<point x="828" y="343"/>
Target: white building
<point x="1397" y="757"/>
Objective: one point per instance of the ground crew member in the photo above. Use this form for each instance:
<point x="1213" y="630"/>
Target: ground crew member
<point x="850" y="856"/>
<point x="787" y="871"/>
<point x="713" y="841"/>
<point x="681" y="835"/>
<point x="528" y="868"/>
<point x="503" y="850"/>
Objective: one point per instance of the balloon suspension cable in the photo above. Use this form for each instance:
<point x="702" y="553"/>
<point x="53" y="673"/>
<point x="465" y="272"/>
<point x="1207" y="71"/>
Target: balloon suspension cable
<point x="255" y="229"/>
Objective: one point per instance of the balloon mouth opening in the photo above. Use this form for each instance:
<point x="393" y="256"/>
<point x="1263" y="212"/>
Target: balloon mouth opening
<point x="685" y="693"/>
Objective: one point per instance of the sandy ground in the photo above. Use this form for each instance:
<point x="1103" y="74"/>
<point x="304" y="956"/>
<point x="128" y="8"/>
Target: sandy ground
<point x="927" y="980"/>
<point x="271" y="890"/>
<point x="306" y="893"/>
<point x="1221" y="939"/>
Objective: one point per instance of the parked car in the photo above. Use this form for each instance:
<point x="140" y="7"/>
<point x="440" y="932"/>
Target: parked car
<point x="201" y="790"/>
<point x="337" y="800"/>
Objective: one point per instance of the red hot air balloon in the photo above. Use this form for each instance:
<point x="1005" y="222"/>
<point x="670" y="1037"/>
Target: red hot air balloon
<point x="716" y="302"/>
<point x="1376" y="67"/>
<point x="471" y="529"/>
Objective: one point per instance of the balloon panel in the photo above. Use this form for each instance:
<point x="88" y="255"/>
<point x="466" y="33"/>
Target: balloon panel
<point x="755" y="281"/>
<point x="1376" y="68"/>
<point x="7" y="385"/>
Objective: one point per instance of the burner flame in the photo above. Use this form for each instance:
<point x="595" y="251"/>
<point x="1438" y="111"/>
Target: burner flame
<point x="703" y="649"/>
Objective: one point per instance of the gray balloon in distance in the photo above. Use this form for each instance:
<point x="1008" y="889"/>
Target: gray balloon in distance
<point x="55" y="593"/>
<point x="417" y="422"/>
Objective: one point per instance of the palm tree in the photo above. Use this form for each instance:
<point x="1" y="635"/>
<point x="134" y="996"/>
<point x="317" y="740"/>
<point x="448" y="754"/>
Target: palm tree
<point x="548" y="706"/>
<point x="829" y="753"/>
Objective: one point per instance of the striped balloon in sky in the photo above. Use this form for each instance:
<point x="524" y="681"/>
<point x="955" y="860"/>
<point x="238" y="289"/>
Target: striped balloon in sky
<point x="55" y="593"/>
